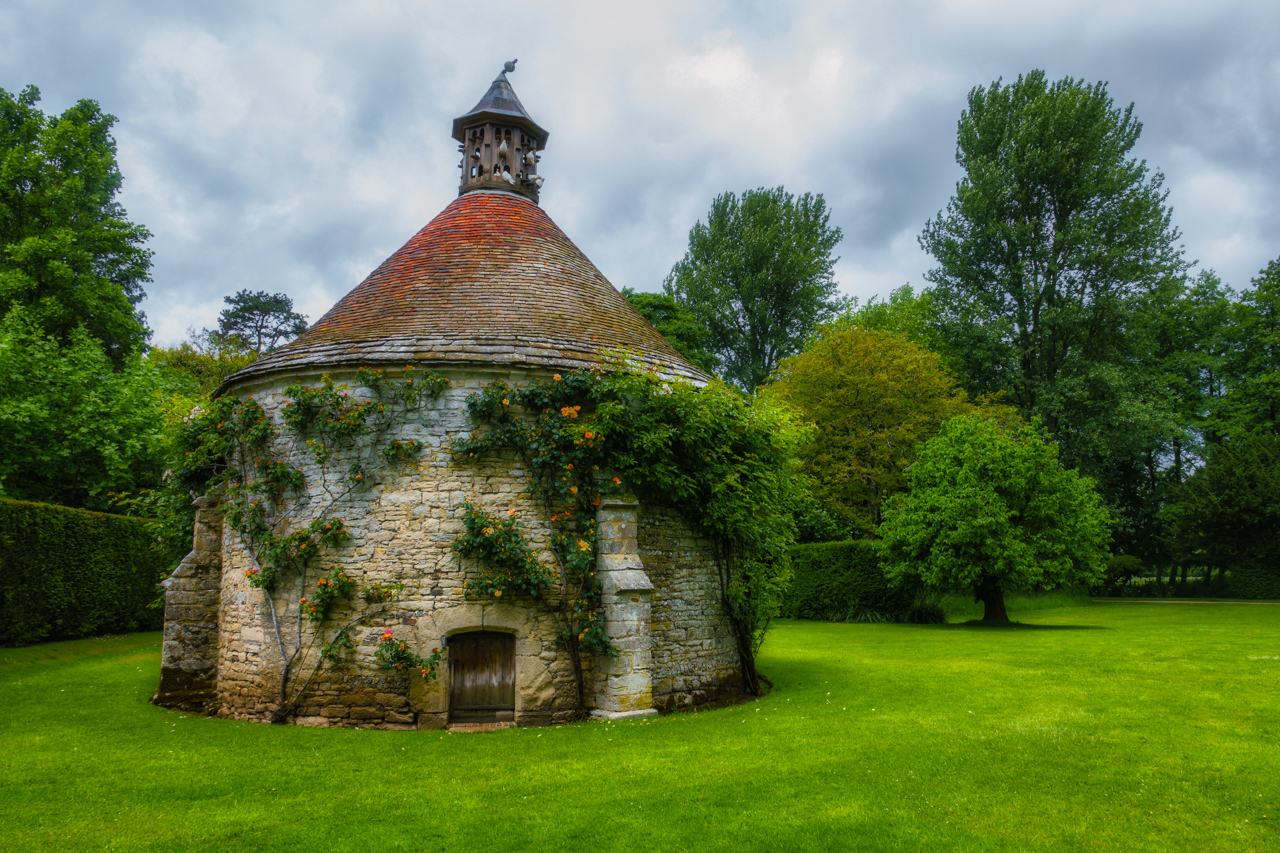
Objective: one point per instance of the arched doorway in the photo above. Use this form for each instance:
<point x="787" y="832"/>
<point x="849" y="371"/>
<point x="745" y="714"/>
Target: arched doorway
<point x="482" y="677"/>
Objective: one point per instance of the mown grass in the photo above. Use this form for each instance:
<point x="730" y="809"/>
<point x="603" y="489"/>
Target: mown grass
<point x="1127" y="727"/>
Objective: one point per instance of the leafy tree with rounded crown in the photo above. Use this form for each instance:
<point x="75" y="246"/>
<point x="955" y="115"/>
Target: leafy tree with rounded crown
<point x="68" y="252"/>
<point x="758" y="276"/>
<point x="905" y="313"/>
<point x="75" y="426"/>
<point x="186" y="376"/>
<point x="874" y="398"/>
<point x="991" y="508"/>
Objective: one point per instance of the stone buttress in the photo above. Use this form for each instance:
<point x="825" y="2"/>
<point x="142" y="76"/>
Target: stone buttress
<point x="188" y="663"/>
<point x="624" y="684"/>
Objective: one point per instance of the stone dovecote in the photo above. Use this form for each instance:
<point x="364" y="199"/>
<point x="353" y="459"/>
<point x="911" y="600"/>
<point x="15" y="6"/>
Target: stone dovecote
<point x="489" y="289"/>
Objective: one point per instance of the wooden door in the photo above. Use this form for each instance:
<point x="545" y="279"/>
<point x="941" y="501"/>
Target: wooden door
<point x="482" y="677"/>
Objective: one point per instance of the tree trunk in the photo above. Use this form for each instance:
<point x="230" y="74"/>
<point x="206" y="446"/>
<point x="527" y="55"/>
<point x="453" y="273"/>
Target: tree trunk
<point x="992" y="598"/>
<point x="741" y="630"/>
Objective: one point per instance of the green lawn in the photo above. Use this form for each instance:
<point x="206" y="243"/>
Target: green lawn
<point x="1125" y="727"/>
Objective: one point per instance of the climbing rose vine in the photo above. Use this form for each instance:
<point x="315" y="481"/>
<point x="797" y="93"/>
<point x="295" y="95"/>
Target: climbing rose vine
<point x="236" y="447"/>
<point x="726" y="460"/>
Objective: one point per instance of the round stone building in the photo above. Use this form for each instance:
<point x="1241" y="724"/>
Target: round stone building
<point x="489" y="289"/>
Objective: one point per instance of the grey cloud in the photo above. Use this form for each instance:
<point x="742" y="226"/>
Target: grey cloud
<point x="292" y="146"/>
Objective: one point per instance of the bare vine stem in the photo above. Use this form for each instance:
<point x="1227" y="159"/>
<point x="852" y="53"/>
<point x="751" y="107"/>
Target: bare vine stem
<point x="363" y="448"/>
<point x="287" y="706"/>
<point x="561" y="615"/>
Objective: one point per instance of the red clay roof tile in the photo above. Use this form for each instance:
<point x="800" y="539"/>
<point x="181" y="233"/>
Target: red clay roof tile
<point x="490" y="280"/>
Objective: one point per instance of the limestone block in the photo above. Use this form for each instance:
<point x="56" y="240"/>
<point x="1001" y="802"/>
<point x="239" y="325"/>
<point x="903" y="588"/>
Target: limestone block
<point x="607" y="703"/>
<point x="535" y="688"/>
<point x="432" y="720"/>
<point x="620" y="665"/>
<point x="619" y="581"/>
<point x="430" y="696"/>
<point x="632" y="683"/>
<point x="610" y="562"/>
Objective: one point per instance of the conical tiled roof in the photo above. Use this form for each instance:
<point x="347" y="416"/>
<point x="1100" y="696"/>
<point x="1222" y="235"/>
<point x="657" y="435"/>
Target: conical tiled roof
<point x="491" y="280"/>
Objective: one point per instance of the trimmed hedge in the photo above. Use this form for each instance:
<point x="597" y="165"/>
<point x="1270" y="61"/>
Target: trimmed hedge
<point x="1255" y="582"/>
<point x="842" y="582"/>
<point x="67" y="573"/>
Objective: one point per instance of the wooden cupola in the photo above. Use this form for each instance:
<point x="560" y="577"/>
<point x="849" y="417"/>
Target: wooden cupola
<point x="500" y="143"/>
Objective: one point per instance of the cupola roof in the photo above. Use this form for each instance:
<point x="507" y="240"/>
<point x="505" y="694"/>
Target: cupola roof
<point x="490" y="280"/>
<point x="500" y="104"/>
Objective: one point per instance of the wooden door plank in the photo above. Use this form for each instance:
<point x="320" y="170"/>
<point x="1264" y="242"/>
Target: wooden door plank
<point x="482" y="675"/>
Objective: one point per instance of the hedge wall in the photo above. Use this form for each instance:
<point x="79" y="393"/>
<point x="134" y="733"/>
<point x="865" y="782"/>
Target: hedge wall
<point x="1255" y="582"/>
<point x="68" y="573"/>
<point x="841" y="581"/>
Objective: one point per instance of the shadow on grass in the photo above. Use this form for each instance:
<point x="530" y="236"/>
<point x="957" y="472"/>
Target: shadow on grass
<point x="1021" y="626"/>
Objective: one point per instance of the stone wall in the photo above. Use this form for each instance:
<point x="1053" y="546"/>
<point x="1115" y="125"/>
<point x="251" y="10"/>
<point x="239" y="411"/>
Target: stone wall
<point x="188" y="662"/>
<point x="403" y="523"/>
<point x="695" y="658"/>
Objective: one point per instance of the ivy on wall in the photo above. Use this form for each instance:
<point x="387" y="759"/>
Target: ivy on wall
<point x="727" y="461"/>
<point x="543" y="423"/>
<point x="724" y="459"/>
<point x="236" y="448"/>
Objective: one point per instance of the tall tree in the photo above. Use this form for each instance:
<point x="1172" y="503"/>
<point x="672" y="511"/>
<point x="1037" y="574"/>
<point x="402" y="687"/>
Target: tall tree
<point x="1185" y="350"/>
<point x="991" y="510"/>
<point x="1252" y="403"/>
<point x="758" y="276"/>
<point x="677" y="324"/>
<point x="1054" y="256"/>
<point x="262" y="321"/>
<point x="68" y="253"/>
<point x="1226" y="515"/>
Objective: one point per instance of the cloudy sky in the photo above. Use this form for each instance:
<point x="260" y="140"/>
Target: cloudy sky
<point x="292" y="146"/>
